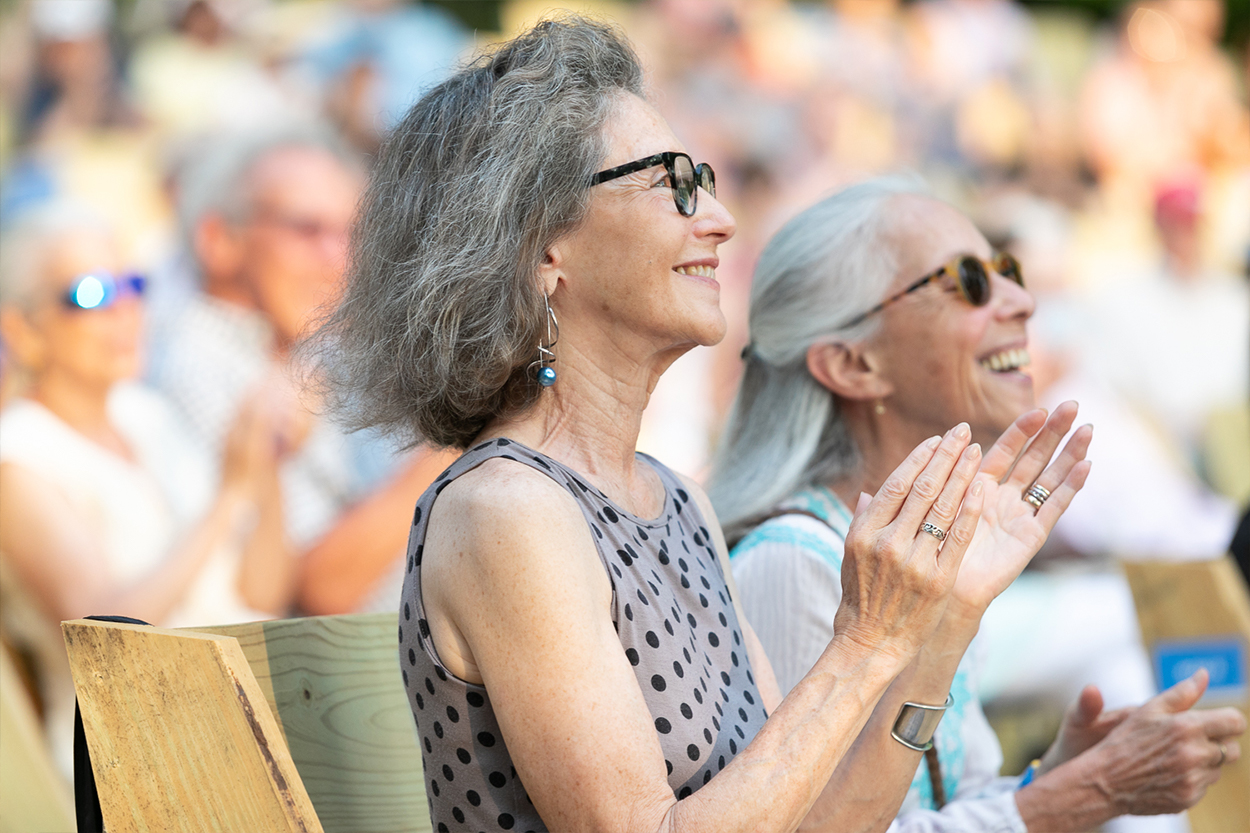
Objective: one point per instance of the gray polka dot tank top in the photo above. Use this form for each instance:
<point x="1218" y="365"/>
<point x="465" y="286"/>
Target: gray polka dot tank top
<point x="677" y="626"/>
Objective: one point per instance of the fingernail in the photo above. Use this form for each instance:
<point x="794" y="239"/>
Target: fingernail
<point x="973" y="451"/>
<point x="933" y="442"/>
<point x="962" y="431"/>
<point x="977" y="488"/>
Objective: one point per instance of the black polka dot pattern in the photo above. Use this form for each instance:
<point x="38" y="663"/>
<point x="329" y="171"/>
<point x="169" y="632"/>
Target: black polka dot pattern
<point x="678" y="632"/>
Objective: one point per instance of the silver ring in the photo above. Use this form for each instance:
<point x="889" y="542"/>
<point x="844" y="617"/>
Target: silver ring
<point x="934" y="530"/>
<point x="1223" y="755"/>
<point x="1037" y="495"/>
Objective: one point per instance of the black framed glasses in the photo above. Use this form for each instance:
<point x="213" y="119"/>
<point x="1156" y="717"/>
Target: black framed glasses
<point x="972" y="278"/>
<point x="686" y="176"/>
<point x="97" y="290"/>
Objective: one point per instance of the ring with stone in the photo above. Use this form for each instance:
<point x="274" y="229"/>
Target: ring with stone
<point x="934" y="530"/>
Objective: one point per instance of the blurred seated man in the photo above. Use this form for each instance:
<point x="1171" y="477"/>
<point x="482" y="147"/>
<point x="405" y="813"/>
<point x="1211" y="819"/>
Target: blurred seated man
<point x="105" y="509"/>
<point x="266" y="218"/>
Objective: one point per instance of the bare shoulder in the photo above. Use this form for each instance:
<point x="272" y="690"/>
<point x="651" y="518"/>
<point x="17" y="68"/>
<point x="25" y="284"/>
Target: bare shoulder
<point x="505" y="523"/>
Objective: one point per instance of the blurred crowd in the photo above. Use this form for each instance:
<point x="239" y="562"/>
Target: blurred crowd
<point x="178" y="180"/>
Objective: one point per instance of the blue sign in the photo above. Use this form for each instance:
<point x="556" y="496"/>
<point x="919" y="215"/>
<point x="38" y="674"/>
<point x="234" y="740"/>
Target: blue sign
<point x="1223" y="657"/>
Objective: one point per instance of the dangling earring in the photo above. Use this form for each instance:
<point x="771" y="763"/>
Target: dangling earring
<point x="879" y="408"/>
<point x="546" y="355"/>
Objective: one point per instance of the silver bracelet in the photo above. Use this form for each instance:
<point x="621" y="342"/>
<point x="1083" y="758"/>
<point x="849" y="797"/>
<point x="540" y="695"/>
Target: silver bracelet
<point x="917" y="722"/>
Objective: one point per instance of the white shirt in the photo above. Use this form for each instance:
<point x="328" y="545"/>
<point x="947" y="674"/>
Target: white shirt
<point x="788" y="571"/>
<point x="136" y="509"/>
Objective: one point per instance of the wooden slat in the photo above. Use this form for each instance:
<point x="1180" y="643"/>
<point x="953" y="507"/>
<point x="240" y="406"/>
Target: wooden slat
<point x="180" y="735"/>
<point x="1199" y="600"/>
<point x="334" y="684"/>
<point x="33" y="794"/>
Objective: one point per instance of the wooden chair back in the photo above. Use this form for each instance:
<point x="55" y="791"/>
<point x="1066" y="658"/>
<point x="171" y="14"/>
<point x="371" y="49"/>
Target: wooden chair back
<point x="291" y="725"/>
<point x="33" y="794"/>
<point x="1199" y="602"/>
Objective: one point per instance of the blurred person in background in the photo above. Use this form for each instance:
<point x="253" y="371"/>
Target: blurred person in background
<point x="107" y="509"/>
<point x="878" y="317"/>
<point x="1172" y="341"/>
<point x="203" y="76"/>
<point x="375" y="58"/>
<point x="266" y="217"/>
<point x="1165" y="100"/>
<point x="80" y="137"/>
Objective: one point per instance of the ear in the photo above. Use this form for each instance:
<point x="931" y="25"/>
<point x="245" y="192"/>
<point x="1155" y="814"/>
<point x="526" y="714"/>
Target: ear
<point x="847" y="370"/>
<point x="551" y="269"/>
<point x="219" y="250"/>
<point x="23" y="338"/>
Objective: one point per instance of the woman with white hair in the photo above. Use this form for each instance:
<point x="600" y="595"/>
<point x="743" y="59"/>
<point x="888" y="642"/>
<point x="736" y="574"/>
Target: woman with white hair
<point x="879" y="316"/>
<point x="101" y="511"/>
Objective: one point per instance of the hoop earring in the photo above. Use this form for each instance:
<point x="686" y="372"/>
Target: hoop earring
<point x="546" y="355"/>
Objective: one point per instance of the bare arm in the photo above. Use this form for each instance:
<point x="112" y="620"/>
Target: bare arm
<point x="518" y="599"/>
<point x="60" y="561"/>
<point x="342" y="568"/>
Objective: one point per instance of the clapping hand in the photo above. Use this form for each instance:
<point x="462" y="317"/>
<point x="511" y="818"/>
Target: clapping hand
<point x="1012" y="528"/>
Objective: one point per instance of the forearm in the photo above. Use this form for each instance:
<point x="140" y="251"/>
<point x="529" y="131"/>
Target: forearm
<point x="267" y="570"/>
<point x="870" y="783"/>
<point x="1065" y="799"/>
<point x="340" y="570"/>
<point x="153" y="597"/>
<point x="787" y="765"/>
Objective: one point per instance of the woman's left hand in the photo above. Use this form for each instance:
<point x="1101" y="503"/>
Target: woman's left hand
<point x="1011" y="529"/>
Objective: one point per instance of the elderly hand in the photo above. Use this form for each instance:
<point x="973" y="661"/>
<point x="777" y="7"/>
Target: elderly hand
<point x="896" y="577"/>
<point x="1012" y="530"/>
<point x="1159" y="758"/>
<point x="1084" y="725"/>
<point x="1163" y="757"/>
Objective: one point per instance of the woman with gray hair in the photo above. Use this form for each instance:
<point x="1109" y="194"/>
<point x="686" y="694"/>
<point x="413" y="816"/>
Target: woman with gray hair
<point x="534" y="250"/>
<point x="879" y="316"/>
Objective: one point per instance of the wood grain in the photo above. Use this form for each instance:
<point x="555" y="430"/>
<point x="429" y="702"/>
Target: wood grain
<point x="1202" y="599"/>
<point x="180" y="735"/>
<point x="33" y="794"/>
<point x="334" y="684"/>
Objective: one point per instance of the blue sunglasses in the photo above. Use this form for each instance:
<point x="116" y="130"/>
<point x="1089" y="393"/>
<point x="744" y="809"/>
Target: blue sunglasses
<point x="97" y="290"/>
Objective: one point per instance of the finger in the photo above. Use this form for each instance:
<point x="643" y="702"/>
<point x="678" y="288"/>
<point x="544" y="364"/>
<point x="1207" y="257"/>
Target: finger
<point x="1074" y="451"/>
<point x="864" y="500"/>
<point x="1039" y="452"/>
<point x="1004" y="453"/>
<point x="1182" y="696"/>
<point x="1232" y="752"/>
<point x="951" y="555"/>
<point x="1061" y="497"/>
<point x="1222" y="723"/>
<point x="928" y="485"/>
<point x="1087" y="707"/>
<point x="885" y="504"/>
<point x="944" y="509"/>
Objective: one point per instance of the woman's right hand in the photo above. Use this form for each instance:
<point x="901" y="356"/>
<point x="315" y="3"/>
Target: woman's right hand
<point x="896" y="577"/>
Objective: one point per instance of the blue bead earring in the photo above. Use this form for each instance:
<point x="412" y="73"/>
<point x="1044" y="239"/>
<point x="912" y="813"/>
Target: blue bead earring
<point x="546" y="355"/>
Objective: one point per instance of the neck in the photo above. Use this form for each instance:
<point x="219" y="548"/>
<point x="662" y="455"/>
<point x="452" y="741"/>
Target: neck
<point x="883" y="440"/>
<point x="81" y="405"/>
<point x="590" y="420"/>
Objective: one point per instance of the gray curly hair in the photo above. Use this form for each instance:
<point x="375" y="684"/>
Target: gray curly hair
<point x="443" y="310"/>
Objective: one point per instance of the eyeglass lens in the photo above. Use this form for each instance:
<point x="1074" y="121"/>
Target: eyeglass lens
<point x="973" y="281"/>
<point x="684" y="190"/>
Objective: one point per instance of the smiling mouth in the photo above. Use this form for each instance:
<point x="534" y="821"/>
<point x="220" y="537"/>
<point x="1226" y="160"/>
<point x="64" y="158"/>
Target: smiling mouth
<point x="699" y="271"/>
<point x="1006" y="360"/>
